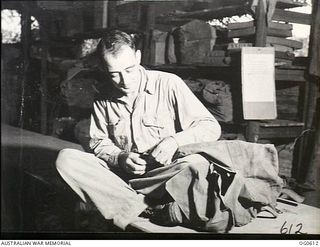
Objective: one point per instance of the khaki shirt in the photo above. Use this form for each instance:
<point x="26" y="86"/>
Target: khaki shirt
<point x="164" y="107"/>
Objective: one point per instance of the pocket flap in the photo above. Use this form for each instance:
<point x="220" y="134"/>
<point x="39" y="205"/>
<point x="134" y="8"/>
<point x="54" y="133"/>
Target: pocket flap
<point x="152" y="121"/>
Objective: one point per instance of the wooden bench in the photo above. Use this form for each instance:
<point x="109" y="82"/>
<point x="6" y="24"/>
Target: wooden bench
<point x="299" y="219"/>
<point x="29" y="176"/>
<point x="32" y="154"/>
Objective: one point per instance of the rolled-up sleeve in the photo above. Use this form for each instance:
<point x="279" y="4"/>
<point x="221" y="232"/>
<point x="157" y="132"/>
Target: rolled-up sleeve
<point x="102" y="146"/>
<point x="196" y="122"/>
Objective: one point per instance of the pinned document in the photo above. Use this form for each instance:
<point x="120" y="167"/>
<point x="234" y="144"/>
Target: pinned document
<point x="258" y="83"/>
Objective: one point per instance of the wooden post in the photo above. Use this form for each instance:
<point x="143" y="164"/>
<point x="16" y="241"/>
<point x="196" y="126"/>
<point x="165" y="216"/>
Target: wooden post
<point x="25" y="41"/>
<point x="252" y="131"/>
<point x="44" y="72"/>
<point x="105" y="14"/>
<point x="112" y="14"/>
<point x="99" y="18"/>
<point x="260" y="41"/>
<point x="304" y="160"/>
<point x="147" y="24"/>
<point x="261" y="25"/>
<point x="308" y="117"/>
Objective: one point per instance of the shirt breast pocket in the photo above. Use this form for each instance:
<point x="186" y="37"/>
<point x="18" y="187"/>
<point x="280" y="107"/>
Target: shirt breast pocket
<point x="156" y="126"/>
<point x="117" y="132"/>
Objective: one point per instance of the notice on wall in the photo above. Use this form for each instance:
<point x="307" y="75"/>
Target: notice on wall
<point x="258" y="83"/>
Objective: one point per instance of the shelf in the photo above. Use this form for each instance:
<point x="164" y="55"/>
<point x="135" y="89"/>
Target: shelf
<point x="227" y="11"/>
<point x="283" y="73"/>
<point x="272" y="129"/>
<point x="292" y="17"/>
<point x="204" y="14"/>
<point x="287" y="4"/>
<point x="294" y="73"/>
<point x="280" y="123"/>
<point x="186" y="66"/>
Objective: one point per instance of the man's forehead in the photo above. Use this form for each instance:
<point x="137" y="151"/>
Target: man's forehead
<point x="123" y="50"/>
<point x="123" y="59"/>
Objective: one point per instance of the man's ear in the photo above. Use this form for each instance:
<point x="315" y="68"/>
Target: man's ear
<point x="138" y="56"/>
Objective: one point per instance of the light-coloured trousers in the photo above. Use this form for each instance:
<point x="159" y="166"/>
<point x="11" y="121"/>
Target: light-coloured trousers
<point x="124" y="200"/>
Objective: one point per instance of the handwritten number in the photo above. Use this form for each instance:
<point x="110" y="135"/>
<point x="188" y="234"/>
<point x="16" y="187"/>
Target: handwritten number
<point x="298" y="231"/>
<point x="284" y="229"/>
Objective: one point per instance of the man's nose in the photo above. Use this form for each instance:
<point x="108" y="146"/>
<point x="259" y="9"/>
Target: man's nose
<point x="124" y="77"/>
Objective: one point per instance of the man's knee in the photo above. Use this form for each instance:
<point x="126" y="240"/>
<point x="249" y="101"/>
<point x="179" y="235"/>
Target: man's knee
<point x="195" y="163"/>
<point x="66" y="157"/>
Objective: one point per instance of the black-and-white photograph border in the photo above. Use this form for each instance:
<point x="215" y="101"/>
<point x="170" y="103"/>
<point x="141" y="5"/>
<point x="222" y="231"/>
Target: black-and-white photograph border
<point x="160" y="119"/>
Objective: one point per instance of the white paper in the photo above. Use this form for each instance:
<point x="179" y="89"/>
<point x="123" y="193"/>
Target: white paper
<point x="258" y="82"/>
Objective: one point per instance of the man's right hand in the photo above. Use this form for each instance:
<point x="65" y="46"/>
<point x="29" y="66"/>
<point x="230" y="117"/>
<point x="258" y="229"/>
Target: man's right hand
<point x="132" y="163"/>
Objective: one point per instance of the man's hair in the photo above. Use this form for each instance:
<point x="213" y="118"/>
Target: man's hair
<point x="113" y="41"/>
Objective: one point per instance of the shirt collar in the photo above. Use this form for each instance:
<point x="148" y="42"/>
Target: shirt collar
<point x="149" y="86"/>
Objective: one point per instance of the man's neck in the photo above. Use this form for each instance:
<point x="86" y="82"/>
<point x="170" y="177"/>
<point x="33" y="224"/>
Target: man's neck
<point x="129" y="99"/>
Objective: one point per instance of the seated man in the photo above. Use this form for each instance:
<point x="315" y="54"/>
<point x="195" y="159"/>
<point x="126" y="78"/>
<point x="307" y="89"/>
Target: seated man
<point x="139" y="121"/>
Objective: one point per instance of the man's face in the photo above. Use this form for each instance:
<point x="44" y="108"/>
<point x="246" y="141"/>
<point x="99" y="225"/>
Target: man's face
<point x="123" y="68"/>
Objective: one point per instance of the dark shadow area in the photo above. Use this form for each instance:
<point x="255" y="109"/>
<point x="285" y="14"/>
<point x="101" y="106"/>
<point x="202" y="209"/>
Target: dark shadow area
<point x="34" y="198"/>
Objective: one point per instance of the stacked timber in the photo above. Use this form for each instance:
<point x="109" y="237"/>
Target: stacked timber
<point x="279" y="30"/>
<point x="278" y="35"/>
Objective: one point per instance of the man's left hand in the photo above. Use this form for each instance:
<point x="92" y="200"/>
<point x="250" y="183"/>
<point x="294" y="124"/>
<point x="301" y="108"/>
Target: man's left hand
<point x="165" y="150"/>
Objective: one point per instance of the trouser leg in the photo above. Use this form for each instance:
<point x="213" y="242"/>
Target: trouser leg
<point x="89" y="175"/>
<point x="190" y="181"/>
<point x="185" y="180"/>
